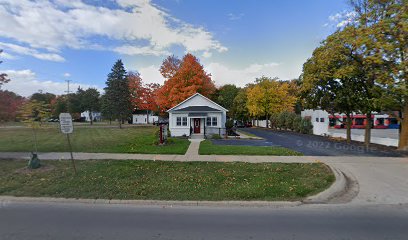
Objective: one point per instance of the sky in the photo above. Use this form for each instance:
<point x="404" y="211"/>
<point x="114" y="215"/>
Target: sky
<point x="46" y="42"/>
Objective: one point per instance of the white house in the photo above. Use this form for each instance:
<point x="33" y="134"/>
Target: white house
<point x="319" y="119"/>
<point x="144" y="117"/>
<point x="197" y="116"/>
<point x="96" y="116"/>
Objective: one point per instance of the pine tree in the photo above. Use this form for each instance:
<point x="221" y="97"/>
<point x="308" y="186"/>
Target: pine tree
<point x="117" y="92"/>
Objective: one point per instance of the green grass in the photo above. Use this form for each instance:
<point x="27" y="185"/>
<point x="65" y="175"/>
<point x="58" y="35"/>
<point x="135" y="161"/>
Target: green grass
<point x="208" y="148"/>
<point x="158" y="180"/>
<point x="90" y="139"/>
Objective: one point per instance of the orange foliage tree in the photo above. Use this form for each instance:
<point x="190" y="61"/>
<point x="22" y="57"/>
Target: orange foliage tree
<point x="142" y="95"/>
<point x="183" y="79"/>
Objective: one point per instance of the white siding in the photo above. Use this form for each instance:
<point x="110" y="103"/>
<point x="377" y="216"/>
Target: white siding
<point x="142" y="119"/>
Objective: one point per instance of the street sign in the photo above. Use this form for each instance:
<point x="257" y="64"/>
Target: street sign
<point x="67" y="128"/>
<point x="66" y="123"/>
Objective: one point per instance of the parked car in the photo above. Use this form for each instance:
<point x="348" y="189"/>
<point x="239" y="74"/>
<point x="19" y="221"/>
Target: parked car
<point x="239" y="124"/>
<point x="248" y="124"/>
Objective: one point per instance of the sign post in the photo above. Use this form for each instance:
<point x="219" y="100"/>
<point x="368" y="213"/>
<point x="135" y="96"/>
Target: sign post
<point x="67" y="128"/>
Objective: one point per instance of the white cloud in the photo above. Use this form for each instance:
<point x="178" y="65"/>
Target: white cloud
<point x="341" y="19"/>
<point x="32" y="52"/>
<point x="56" y="24"/>
<point x="222" y="74"/>
<point x="6" y="55"/>
<point x="151" y="74"/>
<point x="67" y="75"/>
<point x="234" y="17"/>
<point x="147" y="50"/>
<point x="25" y="83"/>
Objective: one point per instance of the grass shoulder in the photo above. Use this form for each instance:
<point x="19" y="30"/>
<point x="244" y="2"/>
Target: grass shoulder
<point x="160" y="180"/>
<point x="208" y="148"/>
<point x="103" y="139"/>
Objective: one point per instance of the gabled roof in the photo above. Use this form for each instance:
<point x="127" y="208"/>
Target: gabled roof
<point x="171" y="109"/>
<point x="197" y="109"/>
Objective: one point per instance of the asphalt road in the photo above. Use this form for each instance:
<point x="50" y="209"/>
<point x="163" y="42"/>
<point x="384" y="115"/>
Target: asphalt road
<point x="310" y="145"/>
<point x="314" y="222"/>
<point x="381" y="133"/>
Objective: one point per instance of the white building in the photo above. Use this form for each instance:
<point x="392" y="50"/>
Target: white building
<point x="319" y="119"/>
<point x="144" y="117"/>
<point x="197" y="115"/>
<point x="96" y="116"/>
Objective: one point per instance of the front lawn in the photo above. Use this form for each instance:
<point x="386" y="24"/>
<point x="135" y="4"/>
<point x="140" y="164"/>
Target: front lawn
<point x="208" y="148"/>
<point x="158" y="180"/>
<point x="103" y="139"/>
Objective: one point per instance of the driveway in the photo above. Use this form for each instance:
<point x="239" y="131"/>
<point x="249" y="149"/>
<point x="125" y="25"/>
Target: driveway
<point x="310" y="145"/>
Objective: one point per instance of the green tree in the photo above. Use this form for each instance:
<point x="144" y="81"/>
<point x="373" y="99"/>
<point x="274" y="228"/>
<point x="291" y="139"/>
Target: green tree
<point x="383" y="28"/>
<point x="239" y="106"/>
<point x="106" y="108"/>
<point x="46" y="98"/>
<point x="226" y="95"/>
<point x="117" y="92"/>
<point x="90" y="101"/>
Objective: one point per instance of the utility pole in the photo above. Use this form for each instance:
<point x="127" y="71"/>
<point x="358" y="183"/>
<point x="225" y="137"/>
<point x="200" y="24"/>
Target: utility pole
<point x="68" y="92"/>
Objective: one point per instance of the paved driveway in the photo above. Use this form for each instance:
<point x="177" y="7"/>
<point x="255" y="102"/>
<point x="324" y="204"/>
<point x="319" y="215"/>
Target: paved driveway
<point x="310" y="145"/>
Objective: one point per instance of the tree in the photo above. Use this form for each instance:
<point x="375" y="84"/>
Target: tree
<point x="226" y="95"/>
<point x="189" y="79"/>
<point x="269" y="96"/>
<point x="9" y="105"/>
<point x="383" y="28"/>
<point x="117" y="92"/>
<point x="170" y="66"/>
<point x="59" y="105"/>
<point x="33" y="113"/>
<point x="3" y="76"/>
<point x="90" y="101"/>
<point x="239" y="106"/>
<point x="332" y="79"/>
<point x="43" y="97"/>
<point x="106" y="108"/>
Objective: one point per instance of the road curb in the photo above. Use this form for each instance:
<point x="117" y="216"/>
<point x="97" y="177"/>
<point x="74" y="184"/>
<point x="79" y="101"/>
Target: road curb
<point x="338" y="188"/>
<point x="4" y="200"/>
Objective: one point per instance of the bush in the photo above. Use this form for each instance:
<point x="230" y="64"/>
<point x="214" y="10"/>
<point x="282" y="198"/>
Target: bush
<point x="306" y="126"/>
<point x="274" y="120"/>
<point x="289" y="120"/>
<point x="297" y="123"/>
<point x="282" y="120"/>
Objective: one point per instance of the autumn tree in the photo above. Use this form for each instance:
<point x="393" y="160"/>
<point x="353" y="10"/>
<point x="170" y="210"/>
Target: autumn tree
<point x="269" y="96"/>
<point x="34" y="113"/>
<point x="117" y="92"/>
<point x="59" y="105"/>
<point x="3" y="76"/>
<point x="183" y="82"/>
<point x="170" y="66"/>
<point x="9" y="105"/>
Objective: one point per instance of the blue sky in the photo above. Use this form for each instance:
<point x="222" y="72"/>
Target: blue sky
<point x="48" y="41"/>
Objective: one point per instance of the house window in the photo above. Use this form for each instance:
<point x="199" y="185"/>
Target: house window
<point x="317" y="119"/>
<point x="321" y="119"/>
<point x="178" y="121"/>
<point x="214" y="121"/>
<point x="208" y="121"/>
<point x="184" y="121"/>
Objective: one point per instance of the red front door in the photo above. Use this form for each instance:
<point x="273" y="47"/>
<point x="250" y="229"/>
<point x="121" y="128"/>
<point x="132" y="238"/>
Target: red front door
<point x="196" y="125"/>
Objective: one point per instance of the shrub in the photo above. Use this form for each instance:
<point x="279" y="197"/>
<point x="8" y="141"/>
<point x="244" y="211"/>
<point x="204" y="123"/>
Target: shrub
<point x="306" y="126"/>
<point x="274" y="120"/>
<point x="297" y="123"/>
<point x="289" y="120"/>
